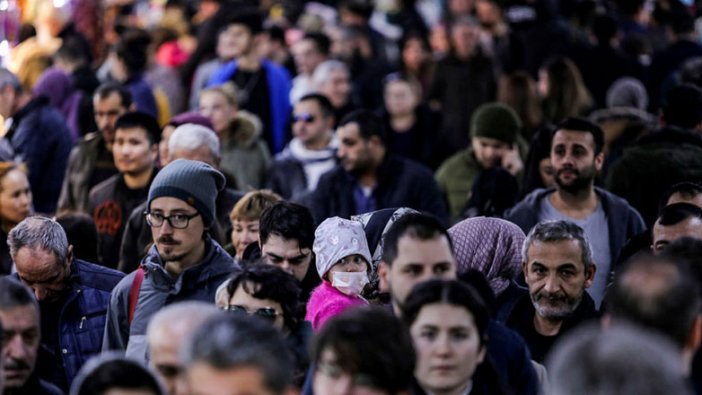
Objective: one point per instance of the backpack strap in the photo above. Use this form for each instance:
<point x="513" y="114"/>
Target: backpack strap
<point x="134" y="292"/>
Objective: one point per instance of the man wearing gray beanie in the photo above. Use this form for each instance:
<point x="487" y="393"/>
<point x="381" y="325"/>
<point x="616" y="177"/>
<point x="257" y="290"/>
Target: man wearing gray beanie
<point x="184" y="263"/>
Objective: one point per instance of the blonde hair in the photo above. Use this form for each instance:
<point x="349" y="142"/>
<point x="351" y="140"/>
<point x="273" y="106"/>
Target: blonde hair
<point x="251" y="206"/>
<point x="228" y="90"/>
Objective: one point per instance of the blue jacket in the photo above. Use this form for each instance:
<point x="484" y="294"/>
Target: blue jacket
<point x="81" y="320"/>
<point x="159" y="289"/>
<point x="279" y="85"/>
<point x="41" y="139"/>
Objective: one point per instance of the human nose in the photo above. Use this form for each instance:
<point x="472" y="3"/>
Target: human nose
<point x="343" y="385"/>
<point x="16" y="348"/>
<point x="551" y="284"/>
<point x="442" y="346"/>
<point x="39" y="292"/>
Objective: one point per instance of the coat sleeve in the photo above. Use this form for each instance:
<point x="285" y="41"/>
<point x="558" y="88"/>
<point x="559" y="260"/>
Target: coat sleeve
<point x="431" y="199"/>
<point x="116" y="335"/>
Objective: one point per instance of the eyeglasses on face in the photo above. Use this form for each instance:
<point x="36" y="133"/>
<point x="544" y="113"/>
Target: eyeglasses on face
<point x="267" y="313"/>
<point x="176" y="221"/>
<point x="305" y="117"/>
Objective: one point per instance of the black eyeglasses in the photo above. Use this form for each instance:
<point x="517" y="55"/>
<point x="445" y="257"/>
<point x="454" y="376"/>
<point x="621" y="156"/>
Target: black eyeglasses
<point x="305" y="117"/>
<point x="267" y="313"/>
<point x="177" y="221"/>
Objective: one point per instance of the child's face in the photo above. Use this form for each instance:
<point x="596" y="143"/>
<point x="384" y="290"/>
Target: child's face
<point x="351" y="263"/>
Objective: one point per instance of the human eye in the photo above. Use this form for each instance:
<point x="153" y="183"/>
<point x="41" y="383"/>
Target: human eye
<point x="440" y="269"/>
<point x="428" y="333"/>
<point x="413" y="270"/>
<point x="459" y="334"/>
<point x="567" y="273"/>
<point x="179" y="219"/>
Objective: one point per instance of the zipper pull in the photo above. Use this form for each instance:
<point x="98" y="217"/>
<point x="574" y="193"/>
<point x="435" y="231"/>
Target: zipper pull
<point x="82" y="321"/>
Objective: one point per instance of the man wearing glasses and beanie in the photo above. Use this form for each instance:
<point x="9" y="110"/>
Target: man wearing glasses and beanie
<point x="184" y="262"/>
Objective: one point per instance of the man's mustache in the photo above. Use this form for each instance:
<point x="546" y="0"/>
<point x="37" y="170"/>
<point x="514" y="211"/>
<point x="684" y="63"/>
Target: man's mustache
<point x="16" y="364"/>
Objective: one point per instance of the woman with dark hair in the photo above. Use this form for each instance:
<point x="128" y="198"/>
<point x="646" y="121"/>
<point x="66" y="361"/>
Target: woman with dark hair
<point x="111" y="374"/>
<point x="518" y="90"/>
<point x="538" y="172"/>
<point x="416" y="58"/>
<point x="562" y="90"/>
<point x="448" y="322"/>
<point x="128" y="64"/>
<point x="270" y="293"/>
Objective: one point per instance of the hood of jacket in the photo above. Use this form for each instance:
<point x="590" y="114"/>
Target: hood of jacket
<point x="244" y="130"/>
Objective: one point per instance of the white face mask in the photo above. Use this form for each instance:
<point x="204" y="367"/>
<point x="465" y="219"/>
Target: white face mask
<point x="350" y="283"/>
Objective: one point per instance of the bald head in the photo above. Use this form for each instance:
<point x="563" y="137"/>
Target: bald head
<point x="676" y="221"/>
<point x="168" y="331"/>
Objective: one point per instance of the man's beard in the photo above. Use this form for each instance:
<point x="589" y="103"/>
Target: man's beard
<point x="582" y="181"/>
<point x="559" y="308"/>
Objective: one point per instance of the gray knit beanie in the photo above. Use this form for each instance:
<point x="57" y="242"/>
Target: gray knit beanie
<point x="194" y="182"/>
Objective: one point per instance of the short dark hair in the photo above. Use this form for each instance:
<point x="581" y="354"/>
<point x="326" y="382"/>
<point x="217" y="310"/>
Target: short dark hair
<point x="683" y="106"/>
<point x="451" y="292"/>
<point x="117" y="373"/>
<point x="140" y="120"/>
<point x="658" y="294"/>
<point x="290" y="221"/>
<point x="604" y="28"/>
<point x="678" y="212"/>
<point x="323" y="102"/>
<point x="321" y="41"/>
<point x="132" y="48"/>
<point x="108" y="88"/>
<point x="686" y="188"/>
<point x="15" y="294"/>
<point x="229" y="341"/>
<point x="72" y="50"/>
<point x="263" y="281"/>
<point x="371" y="342"/>
<point x="249" y="18"/>
<point x="369" y="124"/>
<point x="582" y="125"/>
<point x="415" y="225"/>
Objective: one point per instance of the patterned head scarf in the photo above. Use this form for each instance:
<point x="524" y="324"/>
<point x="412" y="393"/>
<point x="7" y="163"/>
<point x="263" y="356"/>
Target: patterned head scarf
<point x="490" y="245"/>
<point x="336" y="238"/>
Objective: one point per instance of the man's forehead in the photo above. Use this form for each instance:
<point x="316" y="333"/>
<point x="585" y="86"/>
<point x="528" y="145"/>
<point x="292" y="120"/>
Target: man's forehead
<point x="429" y="252"/>
<point x="573" y="137"/>
<point x="555" y="253"/>
<point x="113" y="100"/>
<point x="691" y="227"/>
<point x="283" y="247"/>
<point x="19" y="318"/>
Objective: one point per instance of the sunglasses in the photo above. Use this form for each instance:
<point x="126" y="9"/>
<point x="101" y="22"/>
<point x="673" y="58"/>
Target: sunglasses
<point x="305" y="117"/>
<point x="267" y="313"/>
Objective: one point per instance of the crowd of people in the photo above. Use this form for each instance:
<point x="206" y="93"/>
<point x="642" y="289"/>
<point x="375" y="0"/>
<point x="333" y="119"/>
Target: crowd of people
<point x="398" y="197"/>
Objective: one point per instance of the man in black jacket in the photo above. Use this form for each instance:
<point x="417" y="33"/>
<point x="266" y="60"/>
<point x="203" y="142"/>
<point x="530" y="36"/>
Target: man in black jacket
<point x="369" y="178"/>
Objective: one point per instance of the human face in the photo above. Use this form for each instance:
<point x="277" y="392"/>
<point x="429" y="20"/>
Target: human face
<point x="309" y="124"/>
<point x="542" y="85"/>
<point x="8" y="97"/>
<point x="464" y="39"/>
<point x="574" y="161"/>
<point x="41" y="271"/>
<point x="350" y="264"/>
<point x="414" y="55"/>
<point x="287" y="255"/>
<point x="15" y="197"/>
<point x="488" y="13"/>
<point x="663" y="235"/>
<point x="337" y="88"/>
<point x="237" y="38"/>
<point x="165" y="360"/>
<point x="251" y="304"/>
<point x="133" y="153"/>
<point x="216" y="107"/>
<point x="205" y="379"/>
<point x="556" y="277"/>
<point x="178" y="245"/>
<point x="244" y="233"/>
<point x="330" y="379"/>
<point x="306" y="56"/>
<point x="546" y="173"/>
<point x="489" y="152"/>
<point x="448" y="347"/>
<point x="20" y="344"/>
<point x="354" y="151"/>
<point x="107" y="110"/>
<point x="417" y="261"/>
<point x="400" y="98"/>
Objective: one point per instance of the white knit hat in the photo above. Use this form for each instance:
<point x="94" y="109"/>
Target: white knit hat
<point x="336" y="238"/>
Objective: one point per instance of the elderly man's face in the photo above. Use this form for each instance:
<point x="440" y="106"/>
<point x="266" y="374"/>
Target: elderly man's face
<point x="666" y="234"/>
<point x="42" y="271"/>
<point x="21" y="337"/>
<point x="557" y="278"/>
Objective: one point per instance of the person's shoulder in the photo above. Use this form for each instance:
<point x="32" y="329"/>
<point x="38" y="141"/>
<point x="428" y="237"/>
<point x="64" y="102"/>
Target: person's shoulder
<point x="105" y="187"/>
<point x="453" y="162"/>
<point x="98" y="277"/>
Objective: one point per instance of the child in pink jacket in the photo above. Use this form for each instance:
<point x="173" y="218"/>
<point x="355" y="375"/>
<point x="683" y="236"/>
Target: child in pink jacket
<point x="342" y="258"/>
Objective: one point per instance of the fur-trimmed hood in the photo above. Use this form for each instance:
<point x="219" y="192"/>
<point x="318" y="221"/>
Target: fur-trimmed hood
<point x="243" y="131"/>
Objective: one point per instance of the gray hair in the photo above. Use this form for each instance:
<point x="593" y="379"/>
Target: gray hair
<point x="15" y="294"/>
<point x="555" y="231"/>
<point x="39" y="233"/>
<point x="191" y="136"/>
<point x="9" y="78"/>
<point x="624" y="360"/>
<point x="187" y="316"/>
<point x="323" y="72"/>
<point x="229" y="341"/>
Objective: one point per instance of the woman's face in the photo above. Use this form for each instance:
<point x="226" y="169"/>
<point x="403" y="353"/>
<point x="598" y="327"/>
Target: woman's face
<point x="413" y="54"/>
<point x="253" y="306"/>
<point x="547" y="173"/>
<point x="220" y="112"/>
<point x="15" y="197"/>
<point x="448" y="347"/>
<point x="400" y="98"/>
<point x="243" y="233"/>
